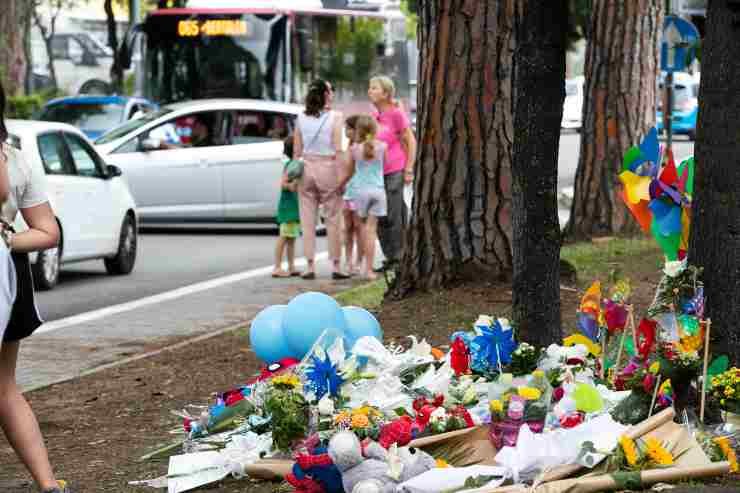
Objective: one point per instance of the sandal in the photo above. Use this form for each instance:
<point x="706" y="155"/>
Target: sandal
<point x="309" y="276"/>
<point x="295" y="273"/>
<point x="339" y="276"/>
<point x="280" y="274"/>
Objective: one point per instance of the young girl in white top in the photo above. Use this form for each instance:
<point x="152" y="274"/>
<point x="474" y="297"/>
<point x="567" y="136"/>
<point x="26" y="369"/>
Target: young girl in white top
<point x="27" y="195"/>
<point x="365" y="168"/>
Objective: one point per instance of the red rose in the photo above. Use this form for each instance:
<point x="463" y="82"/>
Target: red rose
<point x="558" y="394"/>
<point x="647" y="383"/>
<point x="571" y="420"/>
<point x="186" y="424"/>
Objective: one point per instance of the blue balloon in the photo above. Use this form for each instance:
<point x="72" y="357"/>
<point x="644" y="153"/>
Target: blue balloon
<point x="307" y="316"/>
<point x="266" y="335"/>
<point x="360" y="323"/>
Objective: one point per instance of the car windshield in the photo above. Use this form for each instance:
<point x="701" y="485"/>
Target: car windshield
<point x="93" y="117"/>
<point x="131" y="126"/>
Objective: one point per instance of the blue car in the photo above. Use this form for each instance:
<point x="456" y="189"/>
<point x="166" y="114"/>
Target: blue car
<point x="95" y="115"/>
<point x="685" y="107"/>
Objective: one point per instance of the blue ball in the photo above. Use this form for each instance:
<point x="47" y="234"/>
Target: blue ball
<point x="266" y="334"/>
<point x="308" y="315"/>
<point x="360" y="323"/>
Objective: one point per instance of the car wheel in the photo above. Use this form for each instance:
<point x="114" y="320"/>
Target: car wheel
<point x="46" y="269"/>
<point x="123" y="262"/>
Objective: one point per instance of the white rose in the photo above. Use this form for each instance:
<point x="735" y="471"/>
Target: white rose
<point x="326" y="406"/>
<point x="674" y="268"/>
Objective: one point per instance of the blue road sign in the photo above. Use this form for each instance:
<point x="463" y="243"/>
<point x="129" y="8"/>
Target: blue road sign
<point x="678" y="47"/>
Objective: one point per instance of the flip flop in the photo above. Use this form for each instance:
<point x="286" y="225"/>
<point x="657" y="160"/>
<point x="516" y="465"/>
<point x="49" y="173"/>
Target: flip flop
<point x="295" y="273"/>
<point x="309" y="276"/>
<point x="280" y="274"/>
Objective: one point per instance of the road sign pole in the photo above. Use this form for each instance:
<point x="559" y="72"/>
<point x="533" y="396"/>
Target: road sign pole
<point x="668" y="112"/>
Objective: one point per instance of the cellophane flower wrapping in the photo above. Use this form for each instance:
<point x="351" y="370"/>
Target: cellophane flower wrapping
<point x="515" y="401"/>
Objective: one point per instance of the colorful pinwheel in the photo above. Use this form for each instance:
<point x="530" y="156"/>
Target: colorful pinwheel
<point x="659" y="197"/>
<point x="590" y="316"/>
<point x="323" y="377"/>
<point x="492" y="348"/>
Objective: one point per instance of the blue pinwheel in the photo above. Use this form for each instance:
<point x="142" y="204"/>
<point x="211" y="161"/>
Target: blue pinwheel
<point x="492" y="348"/>
<point x="323" y="377"/>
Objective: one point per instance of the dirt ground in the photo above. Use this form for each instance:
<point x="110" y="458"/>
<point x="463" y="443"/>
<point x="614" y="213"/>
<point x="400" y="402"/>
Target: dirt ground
<point x="99" y="425"/>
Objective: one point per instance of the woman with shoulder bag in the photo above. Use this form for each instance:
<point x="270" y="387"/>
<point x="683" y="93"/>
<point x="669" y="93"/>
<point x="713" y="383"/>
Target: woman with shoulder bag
<point x="318" y="144"/>
<point x="27" y="195"/>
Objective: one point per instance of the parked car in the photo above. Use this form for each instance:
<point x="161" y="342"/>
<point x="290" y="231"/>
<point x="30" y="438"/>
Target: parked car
<point x="94" y="115"/>
<point x="685" y="104"/>
<point x="179" y="176"/>
<point x="573" y="104"/>
<point x="93" y="206"/>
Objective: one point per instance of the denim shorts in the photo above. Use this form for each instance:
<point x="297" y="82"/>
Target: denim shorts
<point x="371" y="202"/>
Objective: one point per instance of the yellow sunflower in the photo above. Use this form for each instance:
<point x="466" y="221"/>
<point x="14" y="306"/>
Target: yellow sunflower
<point x="529" y="393"/>
<point x="629" y="449"/>
<point x="657" y="453"/>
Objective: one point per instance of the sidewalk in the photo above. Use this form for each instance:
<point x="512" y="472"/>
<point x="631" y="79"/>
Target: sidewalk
<point x="69" y="352"/>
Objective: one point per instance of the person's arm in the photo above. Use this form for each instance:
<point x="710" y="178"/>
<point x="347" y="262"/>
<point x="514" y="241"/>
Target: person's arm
<point x="4" y="179"/>
<point x="297" y="143"/>
<point x="336" y="137"/>
<point x="42" y="233"/>
<point x="408" y="140"/>
<point x="347" y="172"/>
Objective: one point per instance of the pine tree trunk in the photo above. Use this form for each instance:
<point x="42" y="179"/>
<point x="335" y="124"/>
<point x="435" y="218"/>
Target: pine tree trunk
<point x="539" y="61"/>
<point x="12" y="54"/>
<point x="715" y="228"/>
<point x="461" y="218"/>
<point x="622" y="62"/>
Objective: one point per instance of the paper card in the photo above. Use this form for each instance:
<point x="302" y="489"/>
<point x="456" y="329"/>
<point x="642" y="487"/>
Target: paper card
<point x="190" y="471"/>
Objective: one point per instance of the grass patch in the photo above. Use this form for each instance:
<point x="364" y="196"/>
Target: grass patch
<point x="368" y="296"/>
<point x="607" y="260"/>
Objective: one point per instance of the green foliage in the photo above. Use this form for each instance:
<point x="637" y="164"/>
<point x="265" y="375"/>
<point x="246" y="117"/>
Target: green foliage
<point x="129" y="85"/>
<point x="24" y="106"/>
<point x="578" y="20"/>
<point x="288" y="411"/>
<point x="410" y="9"/>
<point x="354" y="56"/>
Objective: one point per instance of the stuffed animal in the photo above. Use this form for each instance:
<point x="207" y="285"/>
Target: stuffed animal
<point x="372" y="469"/>
<point x="315" y="472"/>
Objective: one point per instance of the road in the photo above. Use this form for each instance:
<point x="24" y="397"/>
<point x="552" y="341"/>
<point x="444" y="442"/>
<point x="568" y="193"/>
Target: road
<point x="165" y="261"/>
<point x="185" y="284"/>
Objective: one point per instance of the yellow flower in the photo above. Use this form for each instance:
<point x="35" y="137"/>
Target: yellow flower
<point x="342" y="418"/>
<point x="538" y="374"/>
<point x="286" y="380"/>
<point x="360" y="421"/>
<point x="629" y="449"/>
<point x="724" y="445"/>
<point x="529" y="393"/>
<point x="657" y="453"/>
<point x="594" y="349"/>
<point x="442" y="464"/>
<point x="655" y="367"/>
<point x="496" y="406"/>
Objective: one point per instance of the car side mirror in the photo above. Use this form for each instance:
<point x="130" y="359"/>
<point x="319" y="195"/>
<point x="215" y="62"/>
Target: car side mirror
<point x="114" y="171"/>
<point x="150" y="144"/>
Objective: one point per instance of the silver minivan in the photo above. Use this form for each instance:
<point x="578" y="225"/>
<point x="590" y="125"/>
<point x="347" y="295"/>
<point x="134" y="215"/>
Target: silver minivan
<point x="204" y="161"/>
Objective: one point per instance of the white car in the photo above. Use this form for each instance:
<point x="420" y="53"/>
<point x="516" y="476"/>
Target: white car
<point x="93" y="206"/>
<point x="203" y="162"/>
<point x="573" y="103"/>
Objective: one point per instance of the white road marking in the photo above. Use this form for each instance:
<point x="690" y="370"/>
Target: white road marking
<point x="162" y="297"/>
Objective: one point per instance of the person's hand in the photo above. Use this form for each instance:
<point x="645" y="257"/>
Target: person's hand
<point x="408" y="177"/>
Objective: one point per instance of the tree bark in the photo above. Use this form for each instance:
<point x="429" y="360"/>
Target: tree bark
<point x="12" y="54"/>
<point x="621" y="68"/>
<point x="539" y="61"/>
<point x="461" y="219"/>
<point x="715" y="228"/>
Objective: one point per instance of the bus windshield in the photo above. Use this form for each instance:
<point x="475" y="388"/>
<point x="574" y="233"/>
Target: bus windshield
<point x="195" y="57"/>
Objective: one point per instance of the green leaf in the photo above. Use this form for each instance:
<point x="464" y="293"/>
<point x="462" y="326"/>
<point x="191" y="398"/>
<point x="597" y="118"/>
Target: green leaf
<point x="719" y="365"/>
<point x="400" y="411"/>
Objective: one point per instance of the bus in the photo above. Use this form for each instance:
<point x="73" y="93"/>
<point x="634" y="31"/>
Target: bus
<point x="270" y="50"/>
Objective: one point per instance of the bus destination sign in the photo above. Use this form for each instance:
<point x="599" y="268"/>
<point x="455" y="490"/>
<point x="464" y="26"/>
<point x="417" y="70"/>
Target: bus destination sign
<point x="212" y="27"/>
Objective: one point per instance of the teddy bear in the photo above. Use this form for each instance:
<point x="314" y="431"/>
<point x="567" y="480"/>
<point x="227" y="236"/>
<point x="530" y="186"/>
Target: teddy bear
<point x="369" y="468"/>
